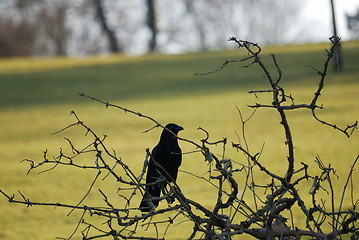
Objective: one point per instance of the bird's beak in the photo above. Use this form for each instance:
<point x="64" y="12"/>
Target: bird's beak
<point x="179" y="128"/>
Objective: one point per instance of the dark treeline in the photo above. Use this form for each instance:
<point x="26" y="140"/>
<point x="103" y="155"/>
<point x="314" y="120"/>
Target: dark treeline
<point x="84" y="27"/>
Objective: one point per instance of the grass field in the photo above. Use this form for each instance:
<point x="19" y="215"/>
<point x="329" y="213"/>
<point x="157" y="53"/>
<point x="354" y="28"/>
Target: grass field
<point x="37" y="96"/>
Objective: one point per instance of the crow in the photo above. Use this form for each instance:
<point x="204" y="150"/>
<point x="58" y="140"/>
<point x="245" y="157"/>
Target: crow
<point x="163" y="166"/>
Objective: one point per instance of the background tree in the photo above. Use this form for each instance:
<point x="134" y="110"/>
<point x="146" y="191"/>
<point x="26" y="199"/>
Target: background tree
<point x="70" y="28"/>
<point x="17" y="39"/>
<point x="53" y="28"/>
<point x="267" y="21"/>
<point x="111" y="35"/>
<point x="151" y="23"/>
<point x="210" y="19"/>
<point x="18" y="31"/>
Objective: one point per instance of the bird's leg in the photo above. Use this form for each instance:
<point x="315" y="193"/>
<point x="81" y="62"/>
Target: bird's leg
<point x="169" y="193"/>
<point x="165" y="192"/>
<point x="171" y="198"/>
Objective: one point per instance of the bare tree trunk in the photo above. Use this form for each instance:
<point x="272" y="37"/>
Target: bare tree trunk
<point x="151" y="23"/>
<point x="112" y="39"/>
<point x="59" y="31"/>
<point x="198" y="22"/>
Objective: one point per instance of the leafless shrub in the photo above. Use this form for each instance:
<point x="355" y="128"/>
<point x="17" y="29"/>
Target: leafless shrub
<point x="16" y="39"/>
<point x="268" y="216"/>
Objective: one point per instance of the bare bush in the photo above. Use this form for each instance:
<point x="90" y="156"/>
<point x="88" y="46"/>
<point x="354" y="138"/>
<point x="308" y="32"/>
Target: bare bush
<point x="269" y="215"/>
<point x="16" y="39"/>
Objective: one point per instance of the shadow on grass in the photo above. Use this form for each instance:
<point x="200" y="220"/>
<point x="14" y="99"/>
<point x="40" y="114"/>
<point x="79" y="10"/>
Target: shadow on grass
<point x="155" y="78"/>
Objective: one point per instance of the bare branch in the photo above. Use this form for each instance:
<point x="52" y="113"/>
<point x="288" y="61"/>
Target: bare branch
<point x="242" y="206"/>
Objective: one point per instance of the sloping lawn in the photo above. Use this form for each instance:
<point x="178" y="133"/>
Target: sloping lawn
<point x="37" y="97"/>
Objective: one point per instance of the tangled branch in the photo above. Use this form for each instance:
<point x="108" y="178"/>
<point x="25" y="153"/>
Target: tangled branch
<point x="270" y="207"/>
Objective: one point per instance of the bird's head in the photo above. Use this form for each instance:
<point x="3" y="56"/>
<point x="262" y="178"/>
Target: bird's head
<point x="173" y="128"/>
<point x="169" y="131"/>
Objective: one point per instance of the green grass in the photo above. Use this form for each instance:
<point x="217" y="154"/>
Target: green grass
<point x="38" y="95"/>
<point x="144" y="77"/>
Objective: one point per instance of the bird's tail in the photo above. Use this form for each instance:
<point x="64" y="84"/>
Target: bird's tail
<point x="151" y="192"/>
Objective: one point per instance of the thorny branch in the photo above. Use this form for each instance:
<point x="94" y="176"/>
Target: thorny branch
<point x="263" y="214"/>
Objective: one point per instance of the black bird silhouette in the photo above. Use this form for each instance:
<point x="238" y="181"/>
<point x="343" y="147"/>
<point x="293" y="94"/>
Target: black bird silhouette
<point x="163" y="166"/>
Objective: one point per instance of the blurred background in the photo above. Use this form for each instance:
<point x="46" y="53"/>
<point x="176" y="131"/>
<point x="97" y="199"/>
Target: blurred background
<point x="143" y="55"/>
<point x="88" y="27"/>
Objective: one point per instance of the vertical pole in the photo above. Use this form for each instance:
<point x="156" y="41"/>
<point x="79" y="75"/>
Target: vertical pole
<point x="333" y="18"/>
<point x="338" y="58"/>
